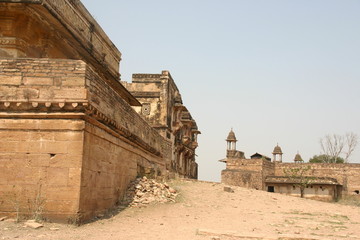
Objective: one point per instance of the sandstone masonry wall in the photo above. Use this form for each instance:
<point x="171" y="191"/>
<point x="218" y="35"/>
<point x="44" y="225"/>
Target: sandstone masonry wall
<point x="111" y="156"/>
<point x="243" y="173"/>
<point x="41" y="80"/>
<point x="40" y="165"/>
<point x="348" y="175"/>
<point x="121" y="116"/>
<point x="69" y="137"/>
<point x="268" y="169"/>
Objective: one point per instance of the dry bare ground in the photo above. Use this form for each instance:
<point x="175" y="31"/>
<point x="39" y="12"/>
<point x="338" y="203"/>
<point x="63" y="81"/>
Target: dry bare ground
<point x="205" y="211"/>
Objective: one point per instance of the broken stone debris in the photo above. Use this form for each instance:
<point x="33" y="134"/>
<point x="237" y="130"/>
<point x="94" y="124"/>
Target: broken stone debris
<point x="144" y="191"/>
<point x="228" y="189"/>
<point x="33" y="224"/>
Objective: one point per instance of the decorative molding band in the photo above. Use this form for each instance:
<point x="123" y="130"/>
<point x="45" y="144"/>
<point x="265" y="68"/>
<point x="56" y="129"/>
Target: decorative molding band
<point x="12" y="42"/>
<point x="94" y="113"/>
<point x="38" y="109"/>
<point x="41" y="106"/>
<point x="138" y="94"/>
<point x="144" y="75"/>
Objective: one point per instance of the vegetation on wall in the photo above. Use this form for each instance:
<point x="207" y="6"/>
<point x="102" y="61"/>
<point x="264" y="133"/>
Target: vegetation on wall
<point x="323" y="158"/>
<point x="300" y="178"/>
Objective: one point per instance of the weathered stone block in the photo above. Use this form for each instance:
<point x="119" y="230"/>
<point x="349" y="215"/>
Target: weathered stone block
<point x="74" y="176"/>
<point x="14" y="136"/>
<point x="75" y="147"/>
<point x="68" y="136"/>
<point x="42" y="81"/>
<point x="57" y="176"/>
<point x="40" y="136"/>
<point x="61" y="206"/>
<point x="65" y="160"/>
<point x="63" y="193"/>
<point x="38" y="160"/>
<point x="10" y="80"/>
<point x="34" y="124"/>
<point x="70" y="93"/>
<point x="53" y="147"/>
<point x="13" y="147"/>
<point x="74" y="81"/>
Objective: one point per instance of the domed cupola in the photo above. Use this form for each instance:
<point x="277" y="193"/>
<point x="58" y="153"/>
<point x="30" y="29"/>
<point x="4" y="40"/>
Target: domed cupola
<point x="231" y="141"/>
<point x="298" y="158"/>
<point x="277" y="154"/>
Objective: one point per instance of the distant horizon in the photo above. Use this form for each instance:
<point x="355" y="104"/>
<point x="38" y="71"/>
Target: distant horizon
<point x="283" y="72"/>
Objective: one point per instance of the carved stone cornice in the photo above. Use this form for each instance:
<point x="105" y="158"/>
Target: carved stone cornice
<point x="12" y="42"/>
<point x="145" y="75"/>
<point x="94" y="113"/>
<point x="39" y="109"/>
<point x="139" y="94"/>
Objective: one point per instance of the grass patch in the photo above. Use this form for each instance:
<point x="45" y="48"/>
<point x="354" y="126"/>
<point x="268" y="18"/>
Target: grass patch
<point x="303" y="213"/>
<point x="287" y="221"/>
<point x="340" y="217"/>
<point x="350" y="200"/>
<point x="301" y="218"/>
<point x="333" y="222"/>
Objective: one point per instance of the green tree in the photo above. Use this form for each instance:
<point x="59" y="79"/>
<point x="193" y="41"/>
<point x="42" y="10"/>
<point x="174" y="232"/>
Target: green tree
<point x="299" y="177"/>
<point x="323" y="158"/>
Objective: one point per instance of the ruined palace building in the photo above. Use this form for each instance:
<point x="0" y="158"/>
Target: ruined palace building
<point x="327" y="181"/>
<point x="71" y="133"/>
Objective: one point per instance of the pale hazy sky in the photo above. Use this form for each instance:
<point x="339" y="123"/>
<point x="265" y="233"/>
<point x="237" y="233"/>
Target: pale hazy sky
<point x="277" y="71"/>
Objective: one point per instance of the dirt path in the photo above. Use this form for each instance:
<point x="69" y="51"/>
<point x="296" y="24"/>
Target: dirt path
<point x="206" y="211"/>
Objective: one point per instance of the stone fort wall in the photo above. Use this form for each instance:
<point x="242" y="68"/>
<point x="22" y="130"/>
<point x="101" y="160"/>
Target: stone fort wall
<point x="68" y="139"/>
<point x="244" y="173"/>
<point x="347" y="174"/>
<point x="251" y="173"/>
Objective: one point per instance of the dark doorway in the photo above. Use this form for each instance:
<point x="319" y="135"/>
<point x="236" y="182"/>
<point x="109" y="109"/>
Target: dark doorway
<point x="271" y="189"/>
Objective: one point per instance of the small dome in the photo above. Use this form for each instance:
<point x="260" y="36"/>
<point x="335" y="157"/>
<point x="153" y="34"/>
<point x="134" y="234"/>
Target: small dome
<point x="277" y="150"/>
<point x="298" y="158"/>
<point x="231" y="137"/>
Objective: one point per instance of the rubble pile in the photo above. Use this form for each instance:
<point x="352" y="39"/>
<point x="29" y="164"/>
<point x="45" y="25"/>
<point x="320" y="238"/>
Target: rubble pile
<point x="144" y="191"/>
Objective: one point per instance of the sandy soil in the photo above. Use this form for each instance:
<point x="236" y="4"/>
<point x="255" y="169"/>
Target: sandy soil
<point x="206" y="211"/>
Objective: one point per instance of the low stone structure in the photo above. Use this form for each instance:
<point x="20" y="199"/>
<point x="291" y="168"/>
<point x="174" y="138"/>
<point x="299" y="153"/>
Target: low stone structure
<point x="330" y="181"/>
<point x="321" y="188"/>
<point x="70" y="140"/>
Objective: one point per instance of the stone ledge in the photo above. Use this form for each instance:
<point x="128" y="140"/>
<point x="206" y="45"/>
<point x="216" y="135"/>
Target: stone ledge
<point x="71" y="110"/>
<point x="43" y="106"/>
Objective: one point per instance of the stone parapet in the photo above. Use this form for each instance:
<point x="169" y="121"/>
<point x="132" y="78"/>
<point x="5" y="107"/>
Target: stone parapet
<point x="59" y="29"/>
<point x="80" y="23"/>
